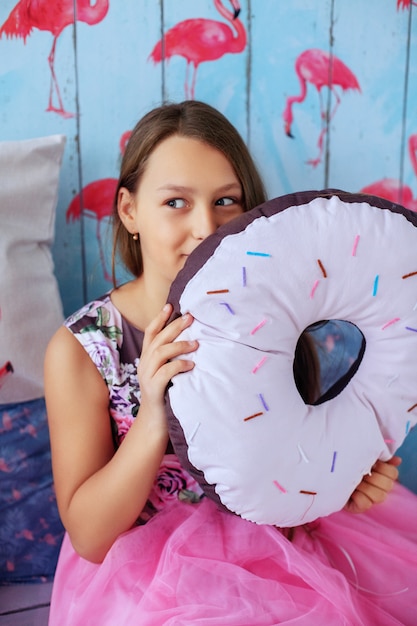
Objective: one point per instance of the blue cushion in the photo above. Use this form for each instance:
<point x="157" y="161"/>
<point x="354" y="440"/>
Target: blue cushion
<point x="30" y="529"/>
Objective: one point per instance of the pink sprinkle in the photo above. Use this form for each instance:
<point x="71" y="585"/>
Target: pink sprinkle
<point x="314" y="288"/>
<point x="280" y="487"/>
<point x="389" y="440"/>
<point x="355" y="245"/>
<point x="393" y="321"/>
<point x="258" y="365"/>
<point x="253" y="331"/>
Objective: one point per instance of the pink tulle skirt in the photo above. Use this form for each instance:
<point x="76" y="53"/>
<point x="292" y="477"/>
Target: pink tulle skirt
<point x="194" y="564"/>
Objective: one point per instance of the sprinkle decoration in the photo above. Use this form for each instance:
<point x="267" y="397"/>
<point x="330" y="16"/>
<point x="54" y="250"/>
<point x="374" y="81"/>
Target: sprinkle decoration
<point x="309" y="493"/>
<point x="314" y="288"/>
<point x="410" y="328"/>
<point x="407" y="427"/>
<point x="228" y="307"/>
<point x="389" y="440"/>
<point x="392" y="380"/>
<point x="375" y="289"/>
<point x="390" y="323"/>
<point x="355" y="245"/>
<point x="244" y="276"/>
<point x="311" y="503"/>
<point x="264" y="404"/>
<point x="254" y="330"/>
<point x="303" y="454"/>
<point x="333" y="461"/>
<point x="209" y="293"/>
<point x="250" y="253"/>
<point x="250" y="417"/>
<point x="258" y="365"/>
<point x="194" y="432"/>
<point x="410" y="274"/>
<point x="412" y="408"/>
<point x="280" y="487"/>
<point x="321" y="266"/>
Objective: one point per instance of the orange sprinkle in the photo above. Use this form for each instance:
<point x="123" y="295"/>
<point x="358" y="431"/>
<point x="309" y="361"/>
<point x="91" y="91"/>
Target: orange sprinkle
<point x="321" y="266"/>
<point x="410" y="274"/>
<point x="217" y="291"/>
<point x="250" y="417"/>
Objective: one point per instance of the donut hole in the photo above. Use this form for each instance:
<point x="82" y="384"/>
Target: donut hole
<point x="327" y="356"/>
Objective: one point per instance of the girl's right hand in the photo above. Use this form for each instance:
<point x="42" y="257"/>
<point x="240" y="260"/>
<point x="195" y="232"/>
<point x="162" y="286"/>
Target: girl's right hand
<point x="158" y="362"/>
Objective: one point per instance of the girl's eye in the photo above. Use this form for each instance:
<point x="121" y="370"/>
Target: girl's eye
<point x="225" y="201"/>
<point x="177" y="203"/>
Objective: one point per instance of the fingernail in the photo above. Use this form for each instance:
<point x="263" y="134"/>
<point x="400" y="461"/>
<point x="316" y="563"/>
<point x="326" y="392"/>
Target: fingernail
<point x="166" y="308"/>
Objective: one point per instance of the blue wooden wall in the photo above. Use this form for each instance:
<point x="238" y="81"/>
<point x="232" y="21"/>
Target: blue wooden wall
<point x="107" y="80"/>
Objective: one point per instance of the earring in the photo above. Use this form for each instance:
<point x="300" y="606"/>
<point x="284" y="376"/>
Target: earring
<point x="135" y="236"/>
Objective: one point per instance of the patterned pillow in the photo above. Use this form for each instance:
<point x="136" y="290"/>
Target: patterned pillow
<point x="30" y="528"/>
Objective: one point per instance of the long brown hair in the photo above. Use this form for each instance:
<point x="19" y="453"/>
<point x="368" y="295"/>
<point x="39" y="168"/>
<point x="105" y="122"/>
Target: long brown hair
<point x="193" y="119"/>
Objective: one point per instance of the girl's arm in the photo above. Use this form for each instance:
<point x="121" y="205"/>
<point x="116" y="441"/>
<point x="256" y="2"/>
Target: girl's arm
<point x="375" y="486"/>
<point x="101" y="492"/>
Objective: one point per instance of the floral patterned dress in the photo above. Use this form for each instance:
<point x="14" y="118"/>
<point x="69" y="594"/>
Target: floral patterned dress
<point x="187" y="562"/>
<point x="114" y="346"/>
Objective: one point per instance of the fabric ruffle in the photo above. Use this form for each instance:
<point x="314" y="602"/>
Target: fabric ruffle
<point x="195" y="564"/>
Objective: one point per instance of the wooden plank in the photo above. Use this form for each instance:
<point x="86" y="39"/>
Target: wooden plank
<point x="126" y="85"/>
<point x="221" y="76"/>
<point x="279" y="36"/>
<point x="31" y="617"/>
<point x="25" y="82"/>
<point x="366" y="133"/>
<point x="24" y="596"/>
<point x="408" y="164"/>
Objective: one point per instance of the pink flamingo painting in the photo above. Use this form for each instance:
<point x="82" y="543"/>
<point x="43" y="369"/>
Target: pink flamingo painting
<point x="53" y="17"/>
<point x="199" y="40"/>
<point x="96" y="201"/>
<point x="321" y="70"/>
<point x="392" y="189"/>
<point x="405" y="4"/>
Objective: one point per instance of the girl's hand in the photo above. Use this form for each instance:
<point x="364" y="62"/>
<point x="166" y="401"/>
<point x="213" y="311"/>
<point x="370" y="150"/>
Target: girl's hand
<point x="375" y="486"/>
<point x="157" y="365"/>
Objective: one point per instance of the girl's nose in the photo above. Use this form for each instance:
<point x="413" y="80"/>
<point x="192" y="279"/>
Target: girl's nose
<point x="204" y="223"/>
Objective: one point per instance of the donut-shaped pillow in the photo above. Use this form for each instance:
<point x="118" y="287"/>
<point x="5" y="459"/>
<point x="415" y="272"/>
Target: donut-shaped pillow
<point x="237" y="420"/>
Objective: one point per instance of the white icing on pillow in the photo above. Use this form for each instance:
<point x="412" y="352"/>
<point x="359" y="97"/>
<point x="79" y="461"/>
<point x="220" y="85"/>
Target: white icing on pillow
<point x="237" y="420"/>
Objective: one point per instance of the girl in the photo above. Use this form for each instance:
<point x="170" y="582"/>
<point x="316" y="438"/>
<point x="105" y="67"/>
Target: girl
<point x="137" y="551"/>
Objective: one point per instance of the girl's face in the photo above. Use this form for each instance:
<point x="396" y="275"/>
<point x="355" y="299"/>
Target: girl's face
<point x="188" y="190"/>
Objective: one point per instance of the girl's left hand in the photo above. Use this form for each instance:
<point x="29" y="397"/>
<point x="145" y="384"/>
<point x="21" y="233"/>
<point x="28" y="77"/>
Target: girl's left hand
<point x="375" y="486"/>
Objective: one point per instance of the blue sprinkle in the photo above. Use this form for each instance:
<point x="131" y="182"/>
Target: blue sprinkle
<point x="375" y="285"/>
<point x="257" y="253"/>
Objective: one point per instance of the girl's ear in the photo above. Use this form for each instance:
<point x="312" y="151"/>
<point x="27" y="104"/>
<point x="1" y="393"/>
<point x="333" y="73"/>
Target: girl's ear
<point x="126" y="209"/>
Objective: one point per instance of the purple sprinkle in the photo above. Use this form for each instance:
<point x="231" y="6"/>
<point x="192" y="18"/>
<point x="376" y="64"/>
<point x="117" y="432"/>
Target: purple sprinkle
<point x="266" y="407"/>
<point x="228" y="307"/>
